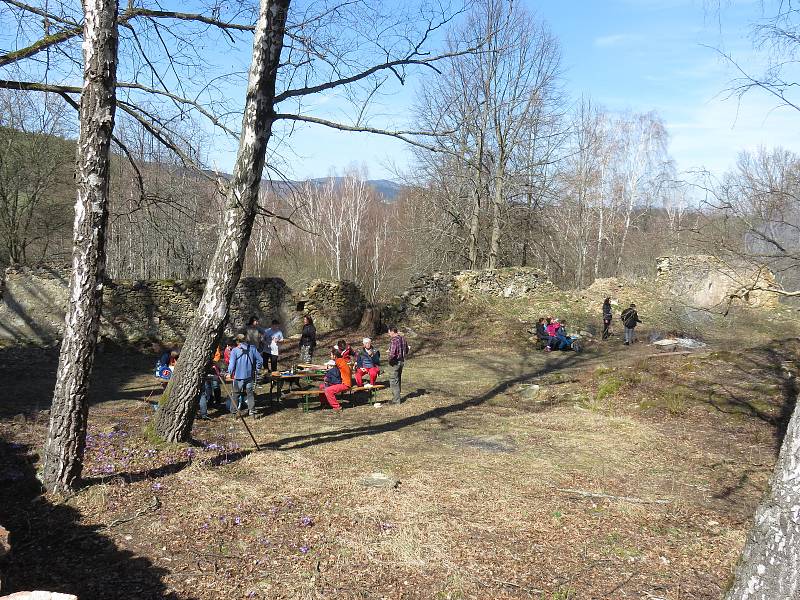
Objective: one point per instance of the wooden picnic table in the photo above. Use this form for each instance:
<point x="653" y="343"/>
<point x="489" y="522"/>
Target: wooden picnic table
<point x="278" y="378"/>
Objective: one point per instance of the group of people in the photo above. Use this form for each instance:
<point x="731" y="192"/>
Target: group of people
<point x="629" y="317"/>
<point x="240" y="360"/>
<point x="551" y="333"/>
<point x="345" y="365"/>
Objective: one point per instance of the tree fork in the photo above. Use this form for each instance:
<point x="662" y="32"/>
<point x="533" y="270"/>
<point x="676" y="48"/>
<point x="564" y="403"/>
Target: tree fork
<point x="66" y="439"/>
<point x="178" y="406"/>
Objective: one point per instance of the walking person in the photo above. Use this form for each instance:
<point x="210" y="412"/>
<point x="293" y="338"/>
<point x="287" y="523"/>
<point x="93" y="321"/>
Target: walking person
<point x="608" y="314"/>
<point x="398" y="350"/>
<point x="308" y="339"/>
<point x="243" y="368"/>
<point x="630" y="318"/>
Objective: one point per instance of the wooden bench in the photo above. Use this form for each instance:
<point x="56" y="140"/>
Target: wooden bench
<point x="307" y="395"/>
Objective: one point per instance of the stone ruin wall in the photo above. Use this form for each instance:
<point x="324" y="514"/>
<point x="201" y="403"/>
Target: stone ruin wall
<point x="433" y="292"/>
<point x="704" y="281"/>
<point x="332" y="304"/>
<point x="33" y="301"/>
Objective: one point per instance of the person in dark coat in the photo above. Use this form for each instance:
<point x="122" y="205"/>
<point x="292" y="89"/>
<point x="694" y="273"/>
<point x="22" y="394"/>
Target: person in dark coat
<point x="308" y="339"/>
<point x="630" y="318"/>
<point x="608" y="314"/>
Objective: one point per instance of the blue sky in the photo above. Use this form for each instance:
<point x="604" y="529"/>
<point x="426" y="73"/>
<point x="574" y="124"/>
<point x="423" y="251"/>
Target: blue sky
<point x="627" y="55"/>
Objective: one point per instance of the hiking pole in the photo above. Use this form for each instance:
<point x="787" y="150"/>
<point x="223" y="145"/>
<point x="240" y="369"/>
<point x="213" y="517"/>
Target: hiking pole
<point x="246" y="426"/>
<point x="236" y="412"/>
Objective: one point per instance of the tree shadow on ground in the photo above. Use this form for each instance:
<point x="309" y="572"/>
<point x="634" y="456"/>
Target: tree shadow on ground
<point x="52" y="550"/>
<point x="741" y="395"/>
<point x="314" y="439"/>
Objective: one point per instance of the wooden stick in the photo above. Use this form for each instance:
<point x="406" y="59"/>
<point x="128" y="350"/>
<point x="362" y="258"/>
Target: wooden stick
<point x="610" y="497"/>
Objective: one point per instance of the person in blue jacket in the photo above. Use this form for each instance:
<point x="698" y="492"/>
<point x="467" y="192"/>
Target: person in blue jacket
<point x="243" y="367"/>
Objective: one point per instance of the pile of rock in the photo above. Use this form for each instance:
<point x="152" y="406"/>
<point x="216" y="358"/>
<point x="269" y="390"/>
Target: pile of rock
<point x="332" y="304"/>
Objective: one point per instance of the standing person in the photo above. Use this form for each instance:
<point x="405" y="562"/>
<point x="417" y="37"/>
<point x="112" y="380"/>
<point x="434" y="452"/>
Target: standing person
<point x="630" y="318"/>
<point x="368" y="361"/>
<point x="398" y="350"/>
<point x="608" y="314"/>
<point x="270" y="340"/>
<point x="209" y="390"/>
<point x="243" y="368"/>
<point x="308" y="339"/>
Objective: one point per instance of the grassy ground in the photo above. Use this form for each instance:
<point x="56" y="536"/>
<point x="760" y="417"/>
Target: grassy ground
<point x="629" y="474"/>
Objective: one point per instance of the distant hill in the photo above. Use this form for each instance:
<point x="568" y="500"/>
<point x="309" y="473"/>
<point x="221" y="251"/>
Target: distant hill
<point x="387" y="188"/>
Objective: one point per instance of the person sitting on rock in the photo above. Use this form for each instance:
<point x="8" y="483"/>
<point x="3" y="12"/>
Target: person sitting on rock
<point x="542" y="337"/>
<point x="551" y="329"/>
<point x="562" y="340"/>
<point x="368" y="361"/>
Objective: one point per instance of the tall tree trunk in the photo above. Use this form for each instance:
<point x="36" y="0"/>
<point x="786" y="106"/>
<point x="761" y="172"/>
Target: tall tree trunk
<point x="176" y="414"/>
<point x="66" y="439"/>
<point x="770" y="565"/>
<point x="475" y="217"/>
<point x="497" y="213"/>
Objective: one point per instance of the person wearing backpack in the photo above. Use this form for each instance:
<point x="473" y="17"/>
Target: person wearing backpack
<point x="243" y="368"/>
<point x="630" y="318"/>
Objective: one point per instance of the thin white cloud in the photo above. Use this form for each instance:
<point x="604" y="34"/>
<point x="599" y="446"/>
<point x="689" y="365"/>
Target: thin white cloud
<point x="617" y="39"/>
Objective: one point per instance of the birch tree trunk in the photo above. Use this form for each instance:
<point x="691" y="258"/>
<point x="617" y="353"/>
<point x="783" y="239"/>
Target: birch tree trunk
<point x="770" y="564"/>
<point x="179" y="404"/>
<point x="66" y="438"/>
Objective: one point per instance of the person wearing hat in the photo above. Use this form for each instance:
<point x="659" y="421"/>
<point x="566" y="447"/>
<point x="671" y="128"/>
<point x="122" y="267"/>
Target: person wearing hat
<point x="630" y="318"/>
<point x="368" y="361"/>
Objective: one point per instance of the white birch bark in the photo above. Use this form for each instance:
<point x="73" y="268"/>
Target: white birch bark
<point x="179" y="404"/>
<point x="770" y="564"/>
<point x="66" y="438"/>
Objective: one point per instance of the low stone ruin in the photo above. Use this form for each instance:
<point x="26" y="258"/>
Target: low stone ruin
<point x="703" y="281"/>
<point x="33" y="301"/>
<point x="332" y="304"/>
<point x="433" y="292"/>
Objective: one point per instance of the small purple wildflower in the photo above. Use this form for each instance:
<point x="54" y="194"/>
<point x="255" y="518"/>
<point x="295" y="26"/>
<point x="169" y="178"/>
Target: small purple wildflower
<point x="304" y="549"/>
<point x="306" y="521"/>
<point x="157" y="486"/>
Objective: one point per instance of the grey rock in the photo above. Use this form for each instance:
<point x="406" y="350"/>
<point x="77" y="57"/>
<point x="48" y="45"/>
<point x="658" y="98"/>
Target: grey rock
<point x="530" y="391"/>
<point x="379" y="480"/>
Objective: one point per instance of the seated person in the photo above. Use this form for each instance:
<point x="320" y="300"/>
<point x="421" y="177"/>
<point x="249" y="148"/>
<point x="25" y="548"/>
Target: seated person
<point x="346" y="349"/>
<point x="542" y="337"/>
<point x="562" y="340"/>
<point x="368" y="361"/>
<point x="551" y="328"/>
<point x="337" y="379"/>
